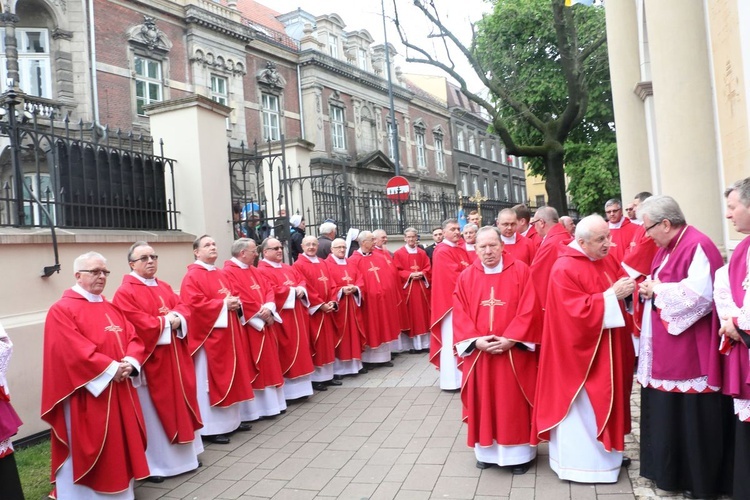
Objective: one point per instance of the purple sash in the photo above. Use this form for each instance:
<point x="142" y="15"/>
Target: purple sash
<point x="9" y="421"/>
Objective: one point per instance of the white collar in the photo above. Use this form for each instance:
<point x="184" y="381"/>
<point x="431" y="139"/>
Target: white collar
<point x="526" y="232"/>
<point x="617" y="225"/>
<point x="239" y="263"/>
<point x="87" y="295"/>
<point x="411" y="250"/>
<point x="509" y="241"/>
<point x="575" y="246"/>
<point x="313" y="259"/>
<point x="209" y="267"/>
<point x="450" y="243"/>
<point x="494" y="270"/>
<point x="469" y="246"/>
<point x="341" y="262"/>
<point x="145" y="281"/>
<point x="277" y="265"/>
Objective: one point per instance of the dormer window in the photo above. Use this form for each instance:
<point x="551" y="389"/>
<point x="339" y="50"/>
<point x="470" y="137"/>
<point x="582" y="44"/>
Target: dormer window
<point x="333" y="46"/>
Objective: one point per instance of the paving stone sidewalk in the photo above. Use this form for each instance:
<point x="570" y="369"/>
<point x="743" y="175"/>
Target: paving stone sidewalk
<point x="388" y="434"/>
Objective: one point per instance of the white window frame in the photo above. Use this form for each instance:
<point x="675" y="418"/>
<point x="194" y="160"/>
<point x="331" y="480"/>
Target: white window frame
<point x="391" y="140"/>
<point x="421" y="158"/>
<point x="219" y="89"/>
<point x="333" y="46"/>
<point x="149" y="81"/>
<point x="439" y="155"/>
<point x="465" y="184"/>
<point x="362" y="59"/>
<point x="493" y="153"/>
<point x="472" y="144"/>
<point x="486" y="187"/>
<point x="482" y="149"/>
<point x="460" y="141"/>
<point x="271" y="116"/>
<point x="496" y="186"/>
<point x="29" y="63"/>
<point x="338" y="127"/>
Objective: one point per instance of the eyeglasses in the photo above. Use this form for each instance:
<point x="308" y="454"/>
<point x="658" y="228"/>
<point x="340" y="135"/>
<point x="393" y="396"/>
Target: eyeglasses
<point x="96" y="272"/>
<point x="146" y="258"/>
<point x="274" y="248"/>
<point x="531" y="223"/>
<point x="613" y="211"/>
<point x="649" y="228"/>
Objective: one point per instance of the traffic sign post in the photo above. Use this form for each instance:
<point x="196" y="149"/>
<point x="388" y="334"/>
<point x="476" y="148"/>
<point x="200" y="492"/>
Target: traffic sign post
<point x="397" y="190"/>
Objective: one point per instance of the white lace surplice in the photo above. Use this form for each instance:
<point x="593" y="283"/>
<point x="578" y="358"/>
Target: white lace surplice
<point x="6" y="349"/>
<point x="727" y="308"/>
<point x="681" y="304"/>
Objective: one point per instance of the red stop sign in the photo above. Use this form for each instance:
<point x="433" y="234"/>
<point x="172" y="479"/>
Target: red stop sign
<point x="397" y="189"/>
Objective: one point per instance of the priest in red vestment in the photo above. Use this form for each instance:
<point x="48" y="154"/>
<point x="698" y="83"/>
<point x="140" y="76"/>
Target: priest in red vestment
<point x="580" y="387"/>
<point x="414" y="271"/>
<point x="379" y="304"/>
<point x="323" y="333"/>
<point x="519" y="247"/>
<point x="733" y="307"/>
<point x="497" y="329"/>
<point x="450" y="259"/>
<point x="347" y="288"/>
<point x="167" y="390"/>
<point x="400" y="322"/>
<point x="223" y="371"/>
<point x="90" y="352"/>
<point x="683" y="412"/>
<point x="555" y="238"/>
<point x="625" y="234"/>
<point x="293" y="331"/>
<point x="525" y="226"/>
<point x="468" y="240"/>
<point x="259" y="319"/>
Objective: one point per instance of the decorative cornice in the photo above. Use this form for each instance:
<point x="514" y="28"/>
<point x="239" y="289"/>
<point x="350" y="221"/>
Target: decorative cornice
<point x="314" y="58"/>
<point x="149" y="36"/>
<point x="206" y="19"/>
<point x="644" y="90"/>
<point x="269" y="77"/>
<point x="218" y="62"/>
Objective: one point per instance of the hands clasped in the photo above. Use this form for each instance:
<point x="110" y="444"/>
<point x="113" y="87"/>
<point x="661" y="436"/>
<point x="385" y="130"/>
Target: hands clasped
<point x="492" y="344"/>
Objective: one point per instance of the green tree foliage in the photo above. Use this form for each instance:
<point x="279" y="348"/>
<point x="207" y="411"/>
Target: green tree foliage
<point x="546" y="69"/>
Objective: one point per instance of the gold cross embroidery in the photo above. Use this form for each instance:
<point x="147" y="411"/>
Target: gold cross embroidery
<point x="112" y="327"/>
<point x="415" y="267"/>
<point x="347" y="278"/>
<point x="224" y="289"/>
<point x="288" y="281"/>
<point x="375" y="270"/>
<point x="465" y="264"/>
<point x="163" y="310"/>
<point x="255" y="285"/>
<point x="324" y="279"/>
<point x="491" y="303"/>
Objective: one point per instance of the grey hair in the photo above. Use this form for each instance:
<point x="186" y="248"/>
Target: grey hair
<point x="449" y="221"/>
<point x="378" y="233"/>
<point x="661" y="207"/>
<point x="410" y="230"/>
<point x="239" y="245"/>
<point x="494" y="229"/>
<point x="743" y="190"/>
<point x="547" y="214"/>
<point x="327" y="227"/>
<point x="266" y="243"/>
<point x="80" y="261"/>
<point x="471" y="226"/>
<point x="342" y="240"/>
<point x="364" y="235"/>
<point x="583" y="228"/>
<point x="135" y="245"/>
<point x="612" y="201"/>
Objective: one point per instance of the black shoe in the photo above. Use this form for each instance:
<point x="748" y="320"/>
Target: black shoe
<point x="363" y="371"/>
<point x="320" y="386"/>
<point x="388" y="363"/>
<point x="334" y="382"/>
<point x="626" y="461"/>
<point x="200" y="464"/>
<point x="413" y="351"/>
<point x="217" y="439"/>
<point x="338" y="377"/>
<point x="484" y="465"/>
<point x="394" y="354"/>
<point x="155" y="479"/>
<point x="520" y="469"/>
<point x="244" y="427"/>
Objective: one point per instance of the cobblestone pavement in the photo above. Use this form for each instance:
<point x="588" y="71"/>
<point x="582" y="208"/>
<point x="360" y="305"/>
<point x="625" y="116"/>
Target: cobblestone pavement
<point x="388" y="434"/>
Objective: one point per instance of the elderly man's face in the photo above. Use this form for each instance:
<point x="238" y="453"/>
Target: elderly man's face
<point x="597" y="246"/>
<point x="366" y="244"/>
<point x="206" y="251"/>
<point x="310" y="247"/>
<point x="247" y="255"/>
<point x="437" y="235"/>
<point x="452" y="232"/>
<point x="489" y="248"/>
<point x="738" y="213"/>
<point x="614" y="213"/>
<point x="274" y="251"/>
<point x="93" y="278"/>
<point x="470" y="236"/>
<point x="144" y="262"/>
<point x="411" y="239"/>
<point x="380" y="239"/>
<point x="338" y="249"/>
<point x="508" y="224"/>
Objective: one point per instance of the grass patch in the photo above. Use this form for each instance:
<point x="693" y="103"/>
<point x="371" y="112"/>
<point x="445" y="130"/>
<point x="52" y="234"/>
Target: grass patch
<point x="33" y="467"/>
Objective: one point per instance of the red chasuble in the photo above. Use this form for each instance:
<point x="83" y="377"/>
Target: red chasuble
<point x="545" y="258"/>
<point x="379" y="306"/>
<point x="577" y="352"/>
<point x="497" y="390"/>
<point x="523" y="249"/>
<point x="450" y="261"/>
<point x="323" y="334"/>
<point x="169" y="371"/>
<point x="400" y="322"/>
<point x="262" y="345"/>
<point x="348" y="317"/>
<point x="108" y="435"/>
<point x="294" y="339"/>
<point x="624" y="238"/>
<point x="414" y="292"/>
<point x="533" y="236"/>
<point x="230" y="375"/>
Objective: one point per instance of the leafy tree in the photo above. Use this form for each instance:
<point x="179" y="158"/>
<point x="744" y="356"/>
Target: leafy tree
<point x="546" y="71"/>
